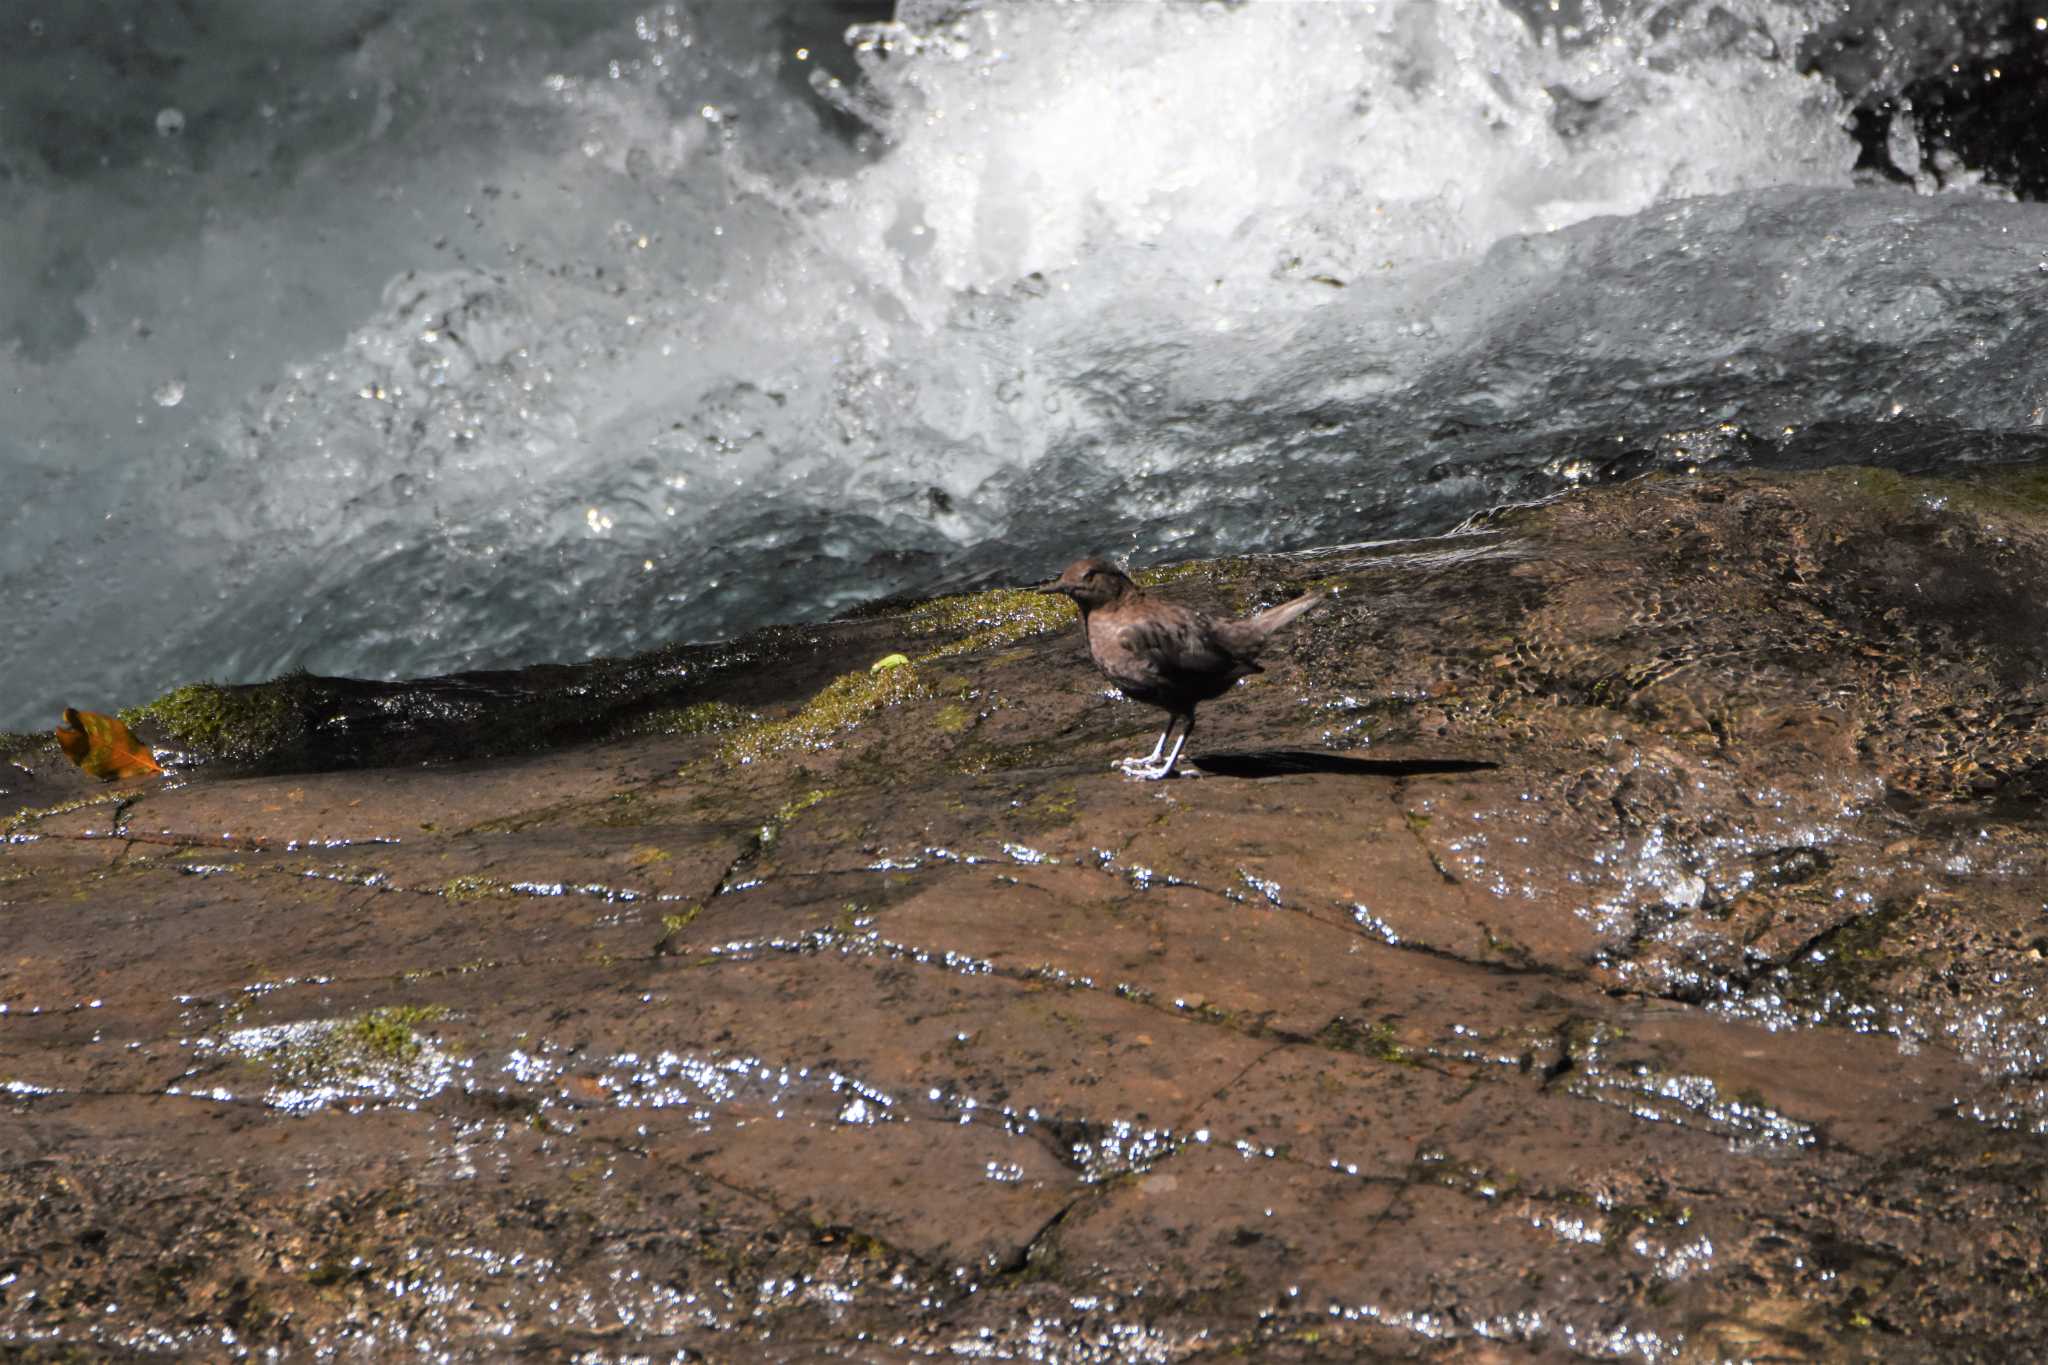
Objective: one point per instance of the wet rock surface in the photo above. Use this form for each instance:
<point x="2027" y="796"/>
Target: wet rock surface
<point x="1615" y="929"/>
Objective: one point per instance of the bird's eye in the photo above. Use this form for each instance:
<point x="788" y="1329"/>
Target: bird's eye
<point x="1092" y="573"/>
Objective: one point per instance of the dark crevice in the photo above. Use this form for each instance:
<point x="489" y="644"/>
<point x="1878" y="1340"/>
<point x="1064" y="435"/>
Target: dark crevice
<point x="1019" y="1261"/>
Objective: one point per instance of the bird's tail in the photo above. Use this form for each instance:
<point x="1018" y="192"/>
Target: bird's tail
<point x="1247" y="637"/>
<point x="1272" y="618"/>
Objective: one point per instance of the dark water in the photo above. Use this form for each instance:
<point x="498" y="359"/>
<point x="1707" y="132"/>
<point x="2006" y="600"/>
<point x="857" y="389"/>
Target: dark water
<point x="389" y="339"/>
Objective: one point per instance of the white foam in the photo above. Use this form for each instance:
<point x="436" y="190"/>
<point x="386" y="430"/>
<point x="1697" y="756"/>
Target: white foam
<point x="506" y="345"/>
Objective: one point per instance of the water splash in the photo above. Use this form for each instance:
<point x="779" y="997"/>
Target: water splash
<point x="546" y="337"/>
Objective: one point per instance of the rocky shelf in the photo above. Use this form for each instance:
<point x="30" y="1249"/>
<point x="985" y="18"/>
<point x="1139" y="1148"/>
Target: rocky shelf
<point x="1614" y="929"/>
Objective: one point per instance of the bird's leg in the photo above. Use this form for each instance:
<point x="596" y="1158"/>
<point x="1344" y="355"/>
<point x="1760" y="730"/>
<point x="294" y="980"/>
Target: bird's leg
<point x="1187" y="728"/>
<point x="1151" y="760"/>
<point x="1154" y="770"/>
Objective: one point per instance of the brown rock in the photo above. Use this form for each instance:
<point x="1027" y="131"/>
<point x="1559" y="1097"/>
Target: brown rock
<point x="1679" y="998"/>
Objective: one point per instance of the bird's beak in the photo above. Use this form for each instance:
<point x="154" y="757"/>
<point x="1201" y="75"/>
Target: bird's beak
<point x="1052" y="590"/>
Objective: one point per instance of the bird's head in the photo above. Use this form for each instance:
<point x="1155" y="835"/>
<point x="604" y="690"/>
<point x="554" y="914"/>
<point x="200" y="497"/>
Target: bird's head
<point x="1091" y="582"/>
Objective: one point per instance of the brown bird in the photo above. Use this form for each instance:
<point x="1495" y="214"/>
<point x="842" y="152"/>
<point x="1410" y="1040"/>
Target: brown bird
<point x="1164" y="653"/>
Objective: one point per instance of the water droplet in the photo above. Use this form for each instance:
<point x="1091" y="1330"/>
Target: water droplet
<point x="170" y="393"/>
<point x="170" y="122"/>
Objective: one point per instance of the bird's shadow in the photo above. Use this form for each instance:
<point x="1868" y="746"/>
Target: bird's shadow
<point x="1285" y="762"/>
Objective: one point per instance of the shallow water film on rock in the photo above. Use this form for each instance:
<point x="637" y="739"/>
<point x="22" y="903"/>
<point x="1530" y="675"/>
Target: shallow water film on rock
<point x="1613" y="930"/>
<point x="388" y="340"/>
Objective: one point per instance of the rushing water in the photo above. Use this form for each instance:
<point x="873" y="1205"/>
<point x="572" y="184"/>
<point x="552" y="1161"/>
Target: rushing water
<point x="397" y="338"/>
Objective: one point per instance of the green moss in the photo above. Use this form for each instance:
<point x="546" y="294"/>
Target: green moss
<point x="1230" y="1019"/>
<point x="772" y="829"/>
<point x="1194" y="571"/>
<point x="705" y="718"/>
<point x="22" y="819"/>
<point x="797" y="806"/>
<point x="1493" y="945"/>
<point x="953" y="718"/>
<point x="464" y="889"/>
<point x="14" y="745"/>
<point x="1377" y="1040"/>
<point x="988" y="620"/>
<point x="1037" y="753"/>
<point x="1050" y="809"/>
<point x="840" y="707"/>
<point x="470" y="968"/>
<point x="854" y="1243"/>
<point x="2019" y="494"/>
<point x="240" y="724"/>
<point x="2016" y="491"/>
<point x="378" y="1042"/>
<point x="1883" y="484"/>
<point x="672" y="926"/>
<point x="2023" y="484"/>
<point x="386" y="1034"/>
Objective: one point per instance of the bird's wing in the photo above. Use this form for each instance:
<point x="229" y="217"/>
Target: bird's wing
<point x="1167" y="650"/>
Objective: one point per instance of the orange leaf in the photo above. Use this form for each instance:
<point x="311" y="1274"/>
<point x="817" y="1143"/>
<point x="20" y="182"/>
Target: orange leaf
<point x="103" y="746"/>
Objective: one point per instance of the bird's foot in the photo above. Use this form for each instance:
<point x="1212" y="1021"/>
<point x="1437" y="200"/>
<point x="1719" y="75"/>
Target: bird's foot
<point x="1153" y="771"/>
